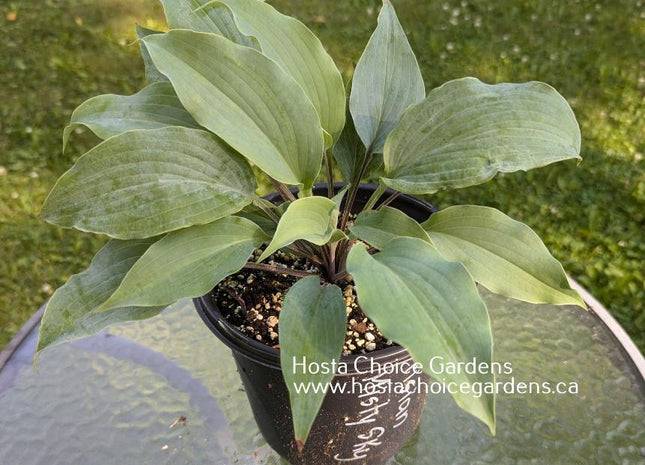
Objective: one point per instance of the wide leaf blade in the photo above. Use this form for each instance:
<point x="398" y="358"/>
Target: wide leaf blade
<point x="217" y="18"/>
<point x="312" y="326"/>
<point x="378" y="227"/>
<point x="431" y="307"/>
<point x="310" y="218"/>
<point x="188" y="263"/>
<point x="466" y="131"/>
<point x="152" y="73"/>
<point x="71" y="312"/>
<point x="387" y="80"/>
<point x="299" y="52"/>
<point x="144" y="183"/>
<point x="155" y="106"/>
<point x="502" y="254"/>
<point x="246" y="99"/>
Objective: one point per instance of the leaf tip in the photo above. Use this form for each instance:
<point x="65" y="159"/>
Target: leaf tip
<point x="264" y="255"/>
<point x="300" y="445"/>
<point x="34" y="362"/>
<point x="580" y="302"/>
<point x="66" y="133"/>
<point x="493" y="430"/>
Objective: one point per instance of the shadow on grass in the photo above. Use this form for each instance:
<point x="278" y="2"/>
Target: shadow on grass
<point x="55" y="55"/>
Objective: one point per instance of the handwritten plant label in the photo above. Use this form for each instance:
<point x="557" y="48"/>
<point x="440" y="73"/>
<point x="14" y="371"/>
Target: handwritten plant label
<point x="384" y="400"/>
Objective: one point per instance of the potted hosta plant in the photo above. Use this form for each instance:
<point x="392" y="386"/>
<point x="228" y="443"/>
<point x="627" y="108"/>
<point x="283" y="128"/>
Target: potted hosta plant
<point x="328" y="285"/>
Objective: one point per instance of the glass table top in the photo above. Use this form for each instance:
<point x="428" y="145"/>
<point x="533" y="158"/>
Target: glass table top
<point x="165" y="391"/>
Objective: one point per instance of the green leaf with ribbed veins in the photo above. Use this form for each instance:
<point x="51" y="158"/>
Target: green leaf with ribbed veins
<point x="217" y="19"/>
<point x="144" y="183"/>
<point x="152" y="73"/>
<point x="155" y="106"/>
<point x="387" y="80"/>
<point x="378" y="227"/>
<point x="188" y="263"/>
<point x="502" y="254"/>
<point x="466" y="131"/>
<point x="312" y="325"/>
<point x="310" y="218"/>
<point x="299" y="52"/>
<point x="431" y="307"/>
<point x="246" y="99"/>
<point x="71" y="312"/>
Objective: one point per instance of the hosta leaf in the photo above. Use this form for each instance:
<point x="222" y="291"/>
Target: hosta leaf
<point x="466" y="131"/>
<point x="299" y="52"/>
<point x="217" y="18"/>
<point x="349" y="152"/>
<point x="378" y="227"/>
<point x="71" y="312"/>
<point x="387" y="80"/>
<point x="144" y="183"/>
<point x="188" y="263"/>
<point x="310" y="218"/>
<point x="312" y="325"/>
<point x="246" y="99"/>
<point x="152" y="73"/>
<point x="504" y="255"/>
<point x="156" y="106"/>
<point x="431" y="307"/>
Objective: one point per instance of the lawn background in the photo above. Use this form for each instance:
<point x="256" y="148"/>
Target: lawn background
<point x="56" y="54"/>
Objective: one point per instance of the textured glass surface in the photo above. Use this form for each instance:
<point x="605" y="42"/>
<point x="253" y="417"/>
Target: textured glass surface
<point x="111" y="399"/>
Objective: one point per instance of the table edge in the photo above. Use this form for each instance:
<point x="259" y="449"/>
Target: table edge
<point x="603" y="314"/>
<point x="614" y="327"/>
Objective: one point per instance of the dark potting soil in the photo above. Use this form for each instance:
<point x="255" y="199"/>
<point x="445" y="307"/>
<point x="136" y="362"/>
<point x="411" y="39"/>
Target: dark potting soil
<point x="251" y="300"/>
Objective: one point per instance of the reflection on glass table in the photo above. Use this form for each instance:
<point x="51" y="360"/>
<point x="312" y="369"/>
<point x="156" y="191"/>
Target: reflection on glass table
<point x="165" y="391"/>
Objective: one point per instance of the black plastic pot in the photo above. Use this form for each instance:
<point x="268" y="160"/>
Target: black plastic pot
<point x="368" y="423"/>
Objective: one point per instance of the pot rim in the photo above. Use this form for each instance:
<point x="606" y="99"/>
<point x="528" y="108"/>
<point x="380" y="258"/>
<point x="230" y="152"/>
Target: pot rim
<point x="269" y="356"/>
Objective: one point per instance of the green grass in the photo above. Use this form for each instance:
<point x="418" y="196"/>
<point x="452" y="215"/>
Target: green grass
<point x="592" y="216"/>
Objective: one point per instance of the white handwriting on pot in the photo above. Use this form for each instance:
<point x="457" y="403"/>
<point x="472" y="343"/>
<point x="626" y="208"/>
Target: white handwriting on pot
<point x="360" y="450"/>
<point x="404" y="402"/>
<point x="369" y="399"/>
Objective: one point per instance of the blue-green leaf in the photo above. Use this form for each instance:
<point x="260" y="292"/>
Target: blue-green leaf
<point x="144" y="183"/>
<point x="387" y="80"/>
<point x="217" y="18"/>
<point x="466" y="131"/>
<point x="246" y="99"/>
<point x="299" y="52"/>
<point x="431" y="307"/>
<point x="312" y="326"/>
<point x="152" y="73"/>
<point x="310" y="218"/>
<point x="378" y="227"/>
<point x="155" y="106"/>
<point x="188" y="263"/>
<point x="504" y="255"/>
<point x="71" y="312"/>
